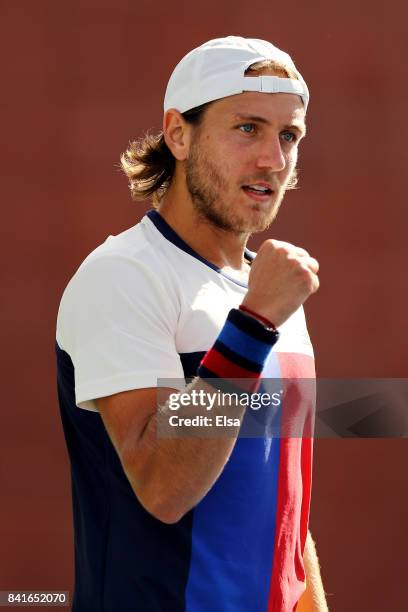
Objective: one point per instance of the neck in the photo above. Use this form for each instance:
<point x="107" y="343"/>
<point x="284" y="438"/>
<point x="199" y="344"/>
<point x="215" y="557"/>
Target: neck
<point x="221" y="247"/>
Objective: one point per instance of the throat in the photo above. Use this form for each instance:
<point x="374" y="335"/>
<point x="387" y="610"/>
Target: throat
<point x="240" y="275"/>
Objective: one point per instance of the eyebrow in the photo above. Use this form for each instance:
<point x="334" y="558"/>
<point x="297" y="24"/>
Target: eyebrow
<point x="298" y="125"/>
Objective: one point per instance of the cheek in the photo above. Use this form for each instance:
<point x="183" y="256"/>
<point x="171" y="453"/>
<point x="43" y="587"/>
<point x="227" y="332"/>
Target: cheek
<point x="227" y="161"/>
<point x="291" y="160"/>
<point x="218" y="152"/>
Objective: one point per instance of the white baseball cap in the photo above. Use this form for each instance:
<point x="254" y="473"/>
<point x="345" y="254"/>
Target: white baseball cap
<point x="217" y="68"/>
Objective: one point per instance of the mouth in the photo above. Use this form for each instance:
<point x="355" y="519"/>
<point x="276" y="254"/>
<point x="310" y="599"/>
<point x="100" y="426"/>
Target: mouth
<point x="260" y="192"/>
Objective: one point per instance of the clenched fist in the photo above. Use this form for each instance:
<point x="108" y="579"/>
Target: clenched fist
<point x="281" y="279"/>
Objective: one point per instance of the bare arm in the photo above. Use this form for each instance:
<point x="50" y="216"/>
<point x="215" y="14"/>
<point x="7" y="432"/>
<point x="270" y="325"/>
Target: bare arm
<point x="313" y="599"/>
<point x="168" y="475"/>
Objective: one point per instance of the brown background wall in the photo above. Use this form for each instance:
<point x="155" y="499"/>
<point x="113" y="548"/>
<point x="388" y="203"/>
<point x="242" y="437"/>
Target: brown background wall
<point x="82" y="78"/>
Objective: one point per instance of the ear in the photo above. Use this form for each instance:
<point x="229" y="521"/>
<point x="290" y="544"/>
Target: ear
<point x="177" y="133"/>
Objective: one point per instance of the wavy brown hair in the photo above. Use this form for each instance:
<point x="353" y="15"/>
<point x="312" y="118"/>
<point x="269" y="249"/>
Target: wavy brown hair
<point x="148" y="162"/>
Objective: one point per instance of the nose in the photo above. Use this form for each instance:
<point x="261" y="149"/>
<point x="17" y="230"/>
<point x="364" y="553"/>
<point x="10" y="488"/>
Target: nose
<point x="270" y="155"/>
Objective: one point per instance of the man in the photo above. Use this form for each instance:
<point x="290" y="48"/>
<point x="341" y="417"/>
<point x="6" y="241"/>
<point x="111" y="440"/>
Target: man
<point x="194" y="523"/>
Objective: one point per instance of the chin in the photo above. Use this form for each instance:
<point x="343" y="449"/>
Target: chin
<point x="259" y="220"/>
<point x="252" y="227"/>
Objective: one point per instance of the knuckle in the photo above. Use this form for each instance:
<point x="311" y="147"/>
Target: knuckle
<point x="305" y="277"/>
<point x="274" y="242"/>
<point x="282" y="247"/>
<point x="303" y="252"/>
<point x="314" y="263"/>
<point x="293" y="265"/>
<point x="299" y="265"/>
<point x="286" y="252"/>
<point x="267" y="246"/>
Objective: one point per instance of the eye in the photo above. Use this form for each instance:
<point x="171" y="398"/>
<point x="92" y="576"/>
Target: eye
<point x="289" y="136"/>
<point x="247" y="128"/>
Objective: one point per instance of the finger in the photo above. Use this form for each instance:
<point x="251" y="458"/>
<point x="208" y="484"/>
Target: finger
<point x="312" y="264"/>
<point x="292" y="248"/>
<point x="301" y="252"/>
<point x="315" y="283"/>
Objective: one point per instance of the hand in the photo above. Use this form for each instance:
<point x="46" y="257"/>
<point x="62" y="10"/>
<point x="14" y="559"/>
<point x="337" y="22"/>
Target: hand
<point x="305" y="603"/>
<point x="282" y="277"/>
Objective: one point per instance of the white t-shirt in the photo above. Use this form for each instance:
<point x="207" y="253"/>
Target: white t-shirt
<point x="138" y="302"/>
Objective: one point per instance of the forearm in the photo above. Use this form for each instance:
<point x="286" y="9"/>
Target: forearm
<point x="172" y="474"/>
<point x="178" y="471"/>
<point x="313" y="599"/>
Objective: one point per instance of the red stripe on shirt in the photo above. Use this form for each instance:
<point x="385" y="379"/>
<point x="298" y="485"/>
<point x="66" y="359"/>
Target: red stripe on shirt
<point x="294" y="485"/>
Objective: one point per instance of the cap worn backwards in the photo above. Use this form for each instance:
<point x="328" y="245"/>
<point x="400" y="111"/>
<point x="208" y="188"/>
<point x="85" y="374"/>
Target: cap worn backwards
<point x="217" y="68"/>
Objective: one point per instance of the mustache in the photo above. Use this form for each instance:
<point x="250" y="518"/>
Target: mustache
<point x="264" y="178"/>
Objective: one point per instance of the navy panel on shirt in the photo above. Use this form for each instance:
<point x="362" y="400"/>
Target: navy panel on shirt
<point x="125" y="559"/>
<point x="190" y="363"/>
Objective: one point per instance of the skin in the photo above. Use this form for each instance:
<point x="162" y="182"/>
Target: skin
<point x="231" y="150"/>
<point x="314" y="598"/>
<point x="206" y="205"/>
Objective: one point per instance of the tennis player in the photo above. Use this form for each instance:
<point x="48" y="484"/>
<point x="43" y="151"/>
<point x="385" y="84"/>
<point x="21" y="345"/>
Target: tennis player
<point x="194" y="523"/>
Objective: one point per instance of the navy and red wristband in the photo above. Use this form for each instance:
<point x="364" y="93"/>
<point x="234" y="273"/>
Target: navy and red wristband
<point x="240" y="352"/>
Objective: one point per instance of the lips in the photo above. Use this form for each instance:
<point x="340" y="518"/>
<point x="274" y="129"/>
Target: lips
<point x="258" y="191"/>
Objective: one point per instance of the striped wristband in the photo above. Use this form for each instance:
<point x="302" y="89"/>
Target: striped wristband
<point x="239" y="353"/>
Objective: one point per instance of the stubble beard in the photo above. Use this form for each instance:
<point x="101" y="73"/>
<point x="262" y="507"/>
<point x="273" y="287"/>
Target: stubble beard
<point x="206" y="184"/>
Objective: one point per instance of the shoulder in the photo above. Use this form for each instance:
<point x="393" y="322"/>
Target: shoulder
<point x="130" y="259"/>
<point x="123" y="279"/>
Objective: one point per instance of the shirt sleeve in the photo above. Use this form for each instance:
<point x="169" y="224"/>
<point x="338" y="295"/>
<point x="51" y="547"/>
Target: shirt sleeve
<point x="117" y="321"/>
